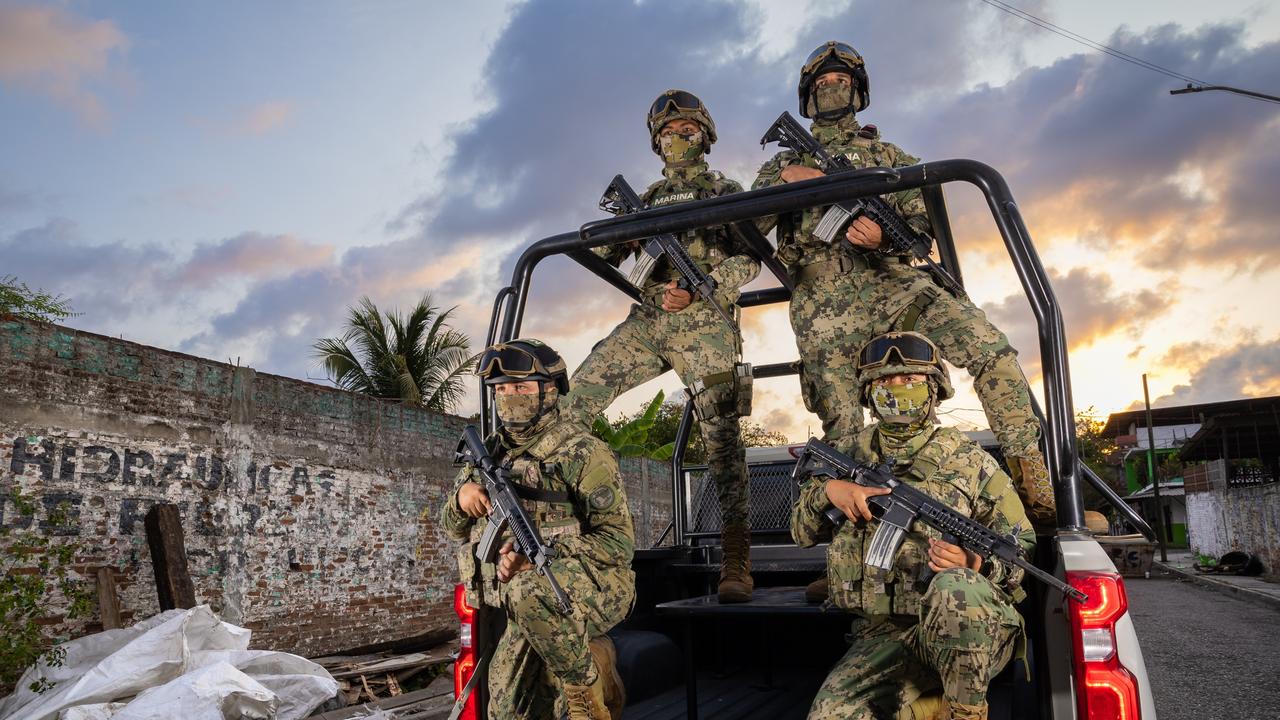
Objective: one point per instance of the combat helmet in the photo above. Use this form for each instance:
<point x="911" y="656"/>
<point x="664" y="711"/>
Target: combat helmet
<point x="678" y="105"/>
<point x="901" y="353"/>
<point x="523" y="359"/>
<point x="833" y="56"/>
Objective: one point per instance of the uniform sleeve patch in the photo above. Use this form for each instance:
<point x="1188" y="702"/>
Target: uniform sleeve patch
<point x="602" y="498"/>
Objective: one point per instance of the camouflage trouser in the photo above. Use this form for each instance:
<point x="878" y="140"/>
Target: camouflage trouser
<point x="966" y="633"/>
<point x="835" y="312"/>
<point x="543" y="648"/>
<point x="698" y="345"/>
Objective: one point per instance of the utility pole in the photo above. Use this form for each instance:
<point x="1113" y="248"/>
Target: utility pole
<point x="1225" y="88"/>
<point x="1151" y="472"/>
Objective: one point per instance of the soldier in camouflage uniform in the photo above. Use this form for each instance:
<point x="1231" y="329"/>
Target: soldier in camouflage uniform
<point x="848" y="292"/>
<point x="910" y="641"/>
<point x="547" y="662"/>
<point x="673" y="330"/>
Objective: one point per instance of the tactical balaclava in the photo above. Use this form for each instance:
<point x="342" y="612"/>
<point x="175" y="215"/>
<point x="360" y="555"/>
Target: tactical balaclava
<point x="833" y="101"/>
<point x="906" y="414"/>
<point x="523" y="416"/>
<point x="682" y="149"/>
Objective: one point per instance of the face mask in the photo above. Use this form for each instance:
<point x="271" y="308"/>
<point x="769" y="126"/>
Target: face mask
<point x="520" y="412"/>
<point x="836" y="98"/>
<point x="902" y="404"/>
<point x="680" y="149"/>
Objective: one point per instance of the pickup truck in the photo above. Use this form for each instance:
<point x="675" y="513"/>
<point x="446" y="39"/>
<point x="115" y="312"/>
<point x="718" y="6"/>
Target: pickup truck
<point x="683" y="655"/>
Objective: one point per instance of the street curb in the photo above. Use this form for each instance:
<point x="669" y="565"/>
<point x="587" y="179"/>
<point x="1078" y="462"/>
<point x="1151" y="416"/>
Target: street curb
<point x="1225" y="588"/>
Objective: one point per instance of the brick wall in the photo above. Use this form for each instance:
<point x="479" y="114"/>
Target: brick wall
<point x="309" y="512"/>
<point x="1245" y="518"/>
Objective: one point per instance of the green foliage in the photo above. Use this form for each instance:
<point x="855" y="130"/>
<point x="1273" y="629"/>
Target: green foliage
<point x="1096" y="451"/>
<point x="417" y="358"/>
<point x="665" y="422"/>
<point x="633" y="437"/>
<point x="25" y="595"/>
<point x="18" y="300"/>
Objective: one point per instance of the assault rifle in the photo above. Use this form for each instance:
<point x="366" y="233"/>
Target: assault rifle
<point x="899" y="510"/>
<point x="507" y="513"/>
<point x="620" y="199"/>
<point x="899" y="237"/>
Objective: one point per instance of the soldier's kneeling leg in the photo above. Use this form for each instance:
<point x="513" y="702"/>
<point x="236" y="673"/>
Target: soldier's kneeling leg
<point x="967" y="633"/>
<point x="560" y="639"/>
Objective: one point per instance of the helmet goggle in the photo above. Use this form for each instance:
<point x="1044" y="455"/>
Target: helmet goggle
<point x="910" y="349"/>
<point x="510" y="361"/>
<point x="841" y="50"/>
<point x="674" y="101"/>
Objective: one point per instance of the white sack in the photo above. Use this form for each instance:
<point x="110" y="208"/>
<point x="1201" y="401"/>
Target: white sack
<point x="103" y="669"/>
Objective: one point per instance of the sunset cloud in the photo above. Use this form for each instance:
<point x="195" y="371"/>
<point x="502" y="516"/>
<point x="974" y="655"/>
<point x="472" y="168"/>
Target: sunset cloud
<point x="51" y="51"/>
<point x="1093" y="308"/>
<point x="251" y="255"/>
<point x="1249" y="369"/>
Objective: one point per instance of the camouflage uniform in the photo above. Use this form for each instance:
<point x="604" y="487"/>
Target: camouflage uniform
<point x="845" y="295"/>
<point x="955" y="635"/>
<point x="694" y="342"/>
<point x="589" y="524"/>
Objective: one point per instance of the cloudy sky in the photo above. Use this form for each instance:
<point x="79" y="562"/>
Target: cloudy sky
<point x="225" y="179"/>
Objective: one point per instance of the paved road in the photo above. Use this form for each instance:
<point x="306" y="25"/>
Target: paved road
<point x="1209" y="655"/>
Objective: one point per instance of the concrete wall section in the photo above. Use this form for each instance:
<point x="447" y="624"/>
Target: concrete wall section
<point x="1247" y="518"/>
<point x="308" y="512"/>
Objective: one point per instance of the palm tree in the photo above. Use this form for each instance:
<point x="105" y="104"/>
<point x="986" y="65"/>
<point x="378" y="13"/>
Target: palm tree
<point x="417" y="358"/>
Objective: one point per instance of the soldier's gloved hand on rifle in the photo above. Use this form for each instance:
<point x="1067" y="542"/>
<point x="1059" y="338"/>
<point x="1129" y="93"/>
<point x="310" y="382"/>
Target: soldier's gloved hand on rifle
<point x="473" y="500"/>
<point x="851" y="498"/>
<point x="511" y="562"/>
<point x="675" y="299"/>
<point x="943" y="555"/>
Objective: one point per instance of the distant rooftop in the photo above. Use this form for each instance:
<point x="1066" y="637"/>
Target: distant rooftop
<point x="1121" y="422"/>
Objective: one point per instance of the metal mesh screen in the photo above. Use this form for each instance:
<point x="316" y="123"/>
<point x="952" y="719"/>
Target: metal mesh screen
<point x="772" y="495"/>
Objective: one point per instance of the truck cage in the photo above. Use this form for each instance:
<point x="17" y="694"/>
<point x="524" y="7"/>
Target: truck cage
<point x="1058" y="423"/>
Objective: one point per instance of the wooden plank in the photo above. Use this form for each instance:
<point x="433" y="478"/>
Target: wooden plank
<point x="391" y="664"/>
<point x="169" y="557"/>
<point x="439" y="687"/>
<point x="108" y="601"/>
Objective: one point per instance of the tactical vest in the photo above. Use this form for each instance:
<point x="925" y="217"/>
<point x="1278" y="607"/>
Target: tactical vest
<point x="545" y="497"/>
<point x="856" y="587"/>
<point x="707" y="247"/>
<point x="796" y="244"/>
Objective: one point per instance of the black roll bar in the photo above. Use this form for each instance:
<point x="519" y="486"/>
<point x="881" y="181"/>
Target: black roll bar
<point x="1060" y="441"/>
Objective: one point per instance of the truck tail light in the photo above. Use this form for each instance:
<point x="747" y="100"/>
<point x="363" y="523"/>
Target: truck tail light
<point x="1105" y="689"/>
<point x="465" y="665"/>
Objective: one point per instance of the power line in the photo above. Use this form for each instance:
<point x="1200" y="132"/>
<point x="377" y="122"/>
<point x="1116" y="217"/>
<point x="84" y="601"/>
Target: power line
<point x="1117" y="54"/>
<point x="1075" y="37"/>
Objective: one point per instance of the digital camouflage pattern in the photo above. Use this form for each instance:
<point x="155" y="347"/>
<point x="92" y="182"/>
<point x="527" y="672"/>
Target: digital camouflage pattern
<point x="955" y="634"/>
<point x="694" y="342"/>
<point x="966" y="629"/>
<point x="594" y="543"/>
<point x="844" y="296"/>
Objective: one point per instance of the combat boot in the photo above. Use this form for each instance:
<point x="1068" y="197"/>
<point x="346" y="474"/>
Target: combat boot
<point x="967" y="712"/>
<point x="817" y="591"/>
<point x="605" y="656"/>
<point x="926" y="707"/>
<point x="735" y="566"/>
<point x="586" y="702"/>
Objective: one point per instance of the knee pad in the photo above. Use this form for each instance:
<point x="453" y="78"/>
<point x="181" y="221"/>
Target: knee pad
<point x="723" y="394"/>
